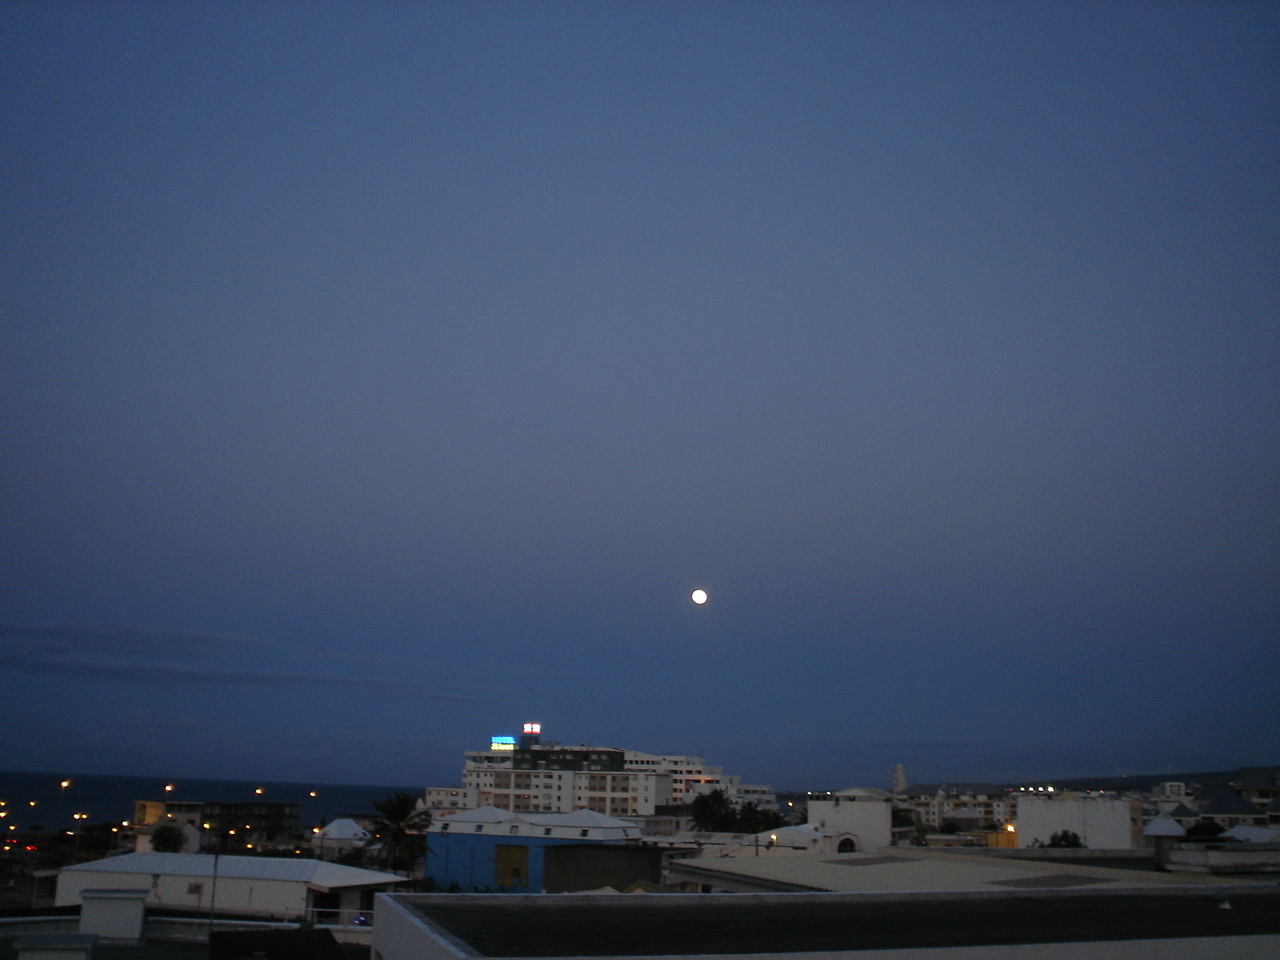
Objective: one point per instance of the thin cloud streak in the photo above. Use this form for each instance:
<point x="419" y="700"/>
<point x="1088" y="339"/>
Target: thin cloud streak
<point x="63" y="651"/>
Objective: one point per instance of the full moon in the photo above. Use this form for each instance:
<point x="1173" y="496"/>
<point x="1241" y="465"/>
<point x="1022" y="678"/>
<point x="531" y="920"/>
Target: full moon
<point x="698" y="596"/>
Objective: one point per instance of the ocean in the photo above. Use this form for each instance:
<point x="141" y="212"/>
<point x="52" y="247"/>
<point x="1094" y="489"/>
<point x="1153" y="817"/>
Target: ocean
<point x="29" y="800"/>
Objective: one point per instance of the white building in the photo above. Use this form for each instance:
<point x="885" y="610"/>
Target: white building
<point x="338" y="837"/>
<point x="963" y="804"/>
<point x="1101" y="822"/>
<point x="857" y="820"/>
<point x="442" y="801"/>
<point x="779" y="841"/>
<point x="533" y="777"/>
<point x="272" y="887"/>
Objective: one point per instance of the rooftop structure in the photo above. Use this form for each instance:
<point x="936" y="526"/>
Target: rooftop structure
<point x="1175" y="924"/>
<point x="917" y="870"/>
<point x="496" y="849"/>
<point x="264" y="886"/>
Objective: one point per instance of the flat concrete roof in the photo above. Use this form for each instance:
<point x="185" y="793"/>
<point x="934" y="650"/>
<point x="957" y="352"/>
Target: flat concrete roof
<point x="917" y="870"/>
<point x="506" y="925"/>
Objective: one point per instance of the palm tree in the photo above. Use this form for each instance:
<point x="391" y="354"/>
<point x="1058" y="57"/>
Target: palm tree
<point x="712" y="812"/>
<point x="401" y="827"/>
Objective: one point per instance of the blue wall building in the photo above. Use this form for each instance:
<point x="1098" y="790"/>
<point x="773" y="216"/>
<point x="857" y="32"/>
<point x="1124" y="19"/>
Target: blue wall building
<point x="491" y="849"/>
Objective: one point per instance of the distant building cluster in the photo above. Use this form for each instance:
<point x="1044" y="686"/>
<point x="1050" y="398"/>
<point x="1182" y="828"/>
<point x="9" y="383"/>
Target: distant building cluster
<point x="534" y="816"/>
<point x="503" y="818"/>
<point x="526" y="775"/>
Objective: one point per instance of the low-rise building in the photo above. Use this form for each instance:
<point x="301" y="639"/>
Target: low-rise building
<point x="1101" y="822"/>
<point x="779" y="841"/>
<point x="224" y="823"/>
<point x="493" y="849"/>
<point x="1228" y="809"/>
<point x="857" y="820"/>
<point x="269" y="887"/>
<point x="339" y="837"/>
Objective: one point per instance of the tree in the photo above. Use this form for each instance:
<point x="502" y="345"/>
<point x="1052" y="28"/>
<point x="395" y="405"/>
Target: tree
<point x="713" y="813"/>
<point x="1204" y="830"/>
<point x="752" y="819"/>
<point x="401" y="830"/>
<point x="1065" y="838"/>
<point x="168" y="838"/>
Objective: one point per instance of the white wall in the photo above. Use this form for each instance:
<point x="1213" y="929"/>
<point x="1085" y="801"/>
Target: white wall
<point x="1103" y="823"/>
<point x="868" y="819"/>
<point x="269" y="898"/>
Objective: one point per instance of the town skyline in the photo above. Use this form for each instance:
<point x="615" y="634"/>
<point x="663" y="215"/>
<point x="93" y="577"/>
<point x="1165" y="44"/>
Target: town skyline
<point x="1213" y="774"/>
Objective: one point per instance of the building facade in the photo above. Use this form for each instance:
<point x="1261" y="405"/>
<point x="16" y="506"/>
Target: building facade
<point x="229" y="822"/>
<point x="529" y="776"/>
<point x="857" y="820"/>
<point x="269" y="887"/>
<point x="492" y="849"/>
<point x="964" y="805"/>
<point x="1101" y="822"/>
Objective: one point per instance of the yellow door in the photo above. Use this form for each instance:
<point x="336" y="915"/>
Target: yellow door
<point x="513" y="865"/>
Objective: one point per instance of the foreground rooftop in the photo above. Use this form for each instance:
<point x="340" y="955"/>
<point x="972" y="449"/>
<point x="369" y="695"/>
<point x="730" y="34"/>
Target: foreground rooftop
<point x="751" y="924"/>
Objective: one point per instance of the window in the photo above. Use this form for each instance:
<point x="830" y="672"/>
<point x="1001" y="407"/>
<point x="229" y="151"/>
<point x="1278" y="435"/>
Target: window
<point x="444" y="828"/>
<point x="546" y="831"/>
<point x="514" y="830"/>
<point x="195" y="889"/>
<point x="585" y="832"/>
<point x="479" y="828"/>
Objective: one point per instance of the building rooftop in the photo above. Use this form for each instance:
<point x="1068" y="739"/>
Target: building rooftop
<point x="602" y="827"/>
<point x="918" y="870"/>
<point x="316" y="873"/>
<point x="701" y="924"/>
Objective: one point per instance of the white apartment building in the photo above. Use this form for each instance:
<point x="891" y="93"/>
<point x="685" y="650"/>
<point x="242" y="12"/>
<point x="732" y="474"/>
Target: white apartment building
<point x="533" y="777"/>
<point x="447" y="800"/>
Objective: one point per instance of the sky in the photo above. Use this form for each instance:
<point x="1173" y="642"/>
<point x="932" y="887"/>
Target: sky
<point x="377" y="377"/>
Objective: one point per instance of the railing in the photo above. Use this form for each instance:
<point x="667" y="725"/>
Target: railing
<point x="322" y="917"/>
<point x="196" y="929"/>
<point x="23" y="926"/>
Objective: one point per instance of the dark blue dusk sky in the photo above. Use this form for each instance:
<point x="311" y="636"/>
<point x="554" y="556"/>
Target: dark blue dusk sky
<point x="376" y="377"/>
